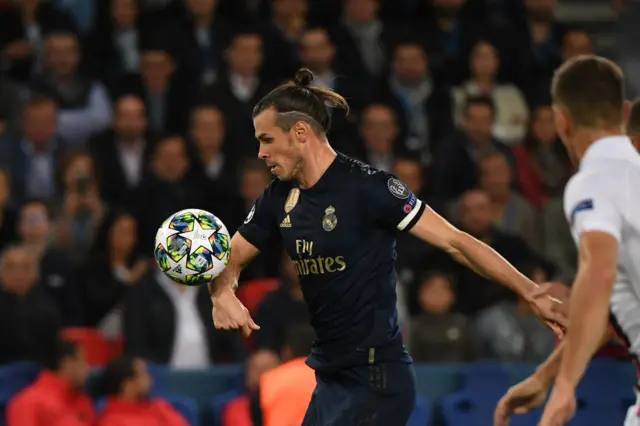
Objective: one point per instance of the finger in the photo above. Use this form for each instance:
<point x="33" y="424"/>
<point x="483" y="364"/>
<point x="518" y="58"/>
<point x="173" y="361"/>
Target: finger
<point x="246" y="330"/>
<point x="540" y="290"/>
<point x="252" y="324"/>
<point x="523" y="409"/>
<point x="501" y="415"/>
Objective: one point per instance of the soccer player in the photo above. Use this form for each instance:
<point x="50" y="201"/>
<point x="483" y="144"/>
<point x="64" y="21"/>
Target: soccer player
<point x="337" y="219"/>
<point x="604" y="214"/>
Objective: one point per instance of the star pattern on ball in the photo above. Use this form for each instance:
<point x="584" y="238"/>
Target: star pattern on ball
<point x="199" y="237"/>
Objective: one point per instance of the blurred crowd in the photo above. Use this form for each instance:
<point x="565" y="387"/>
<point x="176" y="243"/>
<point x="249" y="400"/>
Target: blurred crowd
<point x="115" y="114"/>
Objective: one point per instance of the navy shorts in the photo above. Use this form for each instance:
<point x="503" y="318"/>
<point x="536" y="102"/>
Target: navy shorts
<point x="368" y="395"/>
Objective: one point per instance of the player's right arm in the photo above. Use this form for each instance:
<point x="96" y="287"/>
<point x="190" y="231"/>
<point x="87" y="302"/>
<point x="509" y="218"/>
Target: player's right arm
<point x="257" y="230"/>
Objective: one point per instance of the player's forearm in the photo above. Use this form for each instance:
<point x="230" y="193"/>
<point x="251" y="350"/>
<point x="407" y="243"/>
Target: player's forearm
<point x="487" y="262"/>
<point x="242" y="253"/>
<point x="588" y="326"/>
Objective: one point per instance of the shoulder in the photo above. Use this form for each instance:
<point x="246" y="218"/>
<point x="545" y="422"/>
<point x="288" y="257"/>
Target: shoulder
<point x="26" y="399"/>
<point x="363" y="173"/>
<point x="278" y="188"/>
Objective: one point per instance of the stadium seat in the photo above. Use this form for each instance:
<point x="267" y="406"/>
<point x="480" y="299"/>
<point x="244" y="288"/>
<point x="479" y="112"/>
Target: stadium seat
<point x="219" y="403"/>
<point x="485" y="376"/>
<point x="602" y="384"/>
<point x="98" y="349"/>
<point x="252" y="292"/>
<point x="469" y="409"/>
<point x="188" y="407"/>
<point x="597" y="415"/>
<point x="421" y="415"/>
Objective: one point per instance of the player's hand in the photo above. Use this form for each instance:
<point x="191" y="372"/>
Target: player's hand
<point x="520" y="399"/>
<point x="550" y="308"/>
<point x="560" y="408"/>
<point x="230" y="314"/>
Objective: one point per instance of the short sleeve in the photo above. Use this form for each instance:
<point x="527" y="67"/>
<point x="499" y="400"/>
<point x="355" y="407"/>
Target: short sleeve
<point x="259" y="226"/>
<point x="590" y="206"/>
<point x="395" y="205"/>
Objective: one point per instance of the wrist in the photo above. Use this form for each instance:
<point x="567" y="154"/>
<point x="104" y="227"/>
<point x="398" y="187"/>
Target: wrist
<point x="565" y="384"/>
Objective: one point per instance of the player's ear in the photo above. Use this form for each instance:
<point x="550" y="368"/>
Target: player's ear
<point x="301" y="131"/>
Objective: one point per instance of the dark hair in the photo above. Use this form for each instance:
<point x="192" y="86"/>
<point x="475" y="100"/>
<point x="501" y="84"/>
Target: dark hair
<point x="479" y="100"/>
<point x="299" y="339"/>
<point x="297" y="101"/>
<point x="633" y="125"/>
<point x="115" y="374"/>
<point x="61" y="350"/>
<point x="38" y="99"/>
<point x="591" y="89"/>
<point x="243" y="31"/>
<point x="101" y="242"/>
<point x="532" y="145"/>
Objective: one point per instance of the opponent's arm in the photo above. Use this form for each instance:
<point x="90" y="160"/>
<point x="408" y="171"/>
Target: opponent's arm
<point x="590" y="296"/>
<point x="242" y="253"/>
<point x="471" y="252"/>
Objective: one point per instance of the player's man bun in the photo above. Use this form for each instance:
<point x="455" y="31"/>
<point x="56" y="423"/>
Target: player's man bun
<point x="303" y="77"/>
<point x="298" y="100"/>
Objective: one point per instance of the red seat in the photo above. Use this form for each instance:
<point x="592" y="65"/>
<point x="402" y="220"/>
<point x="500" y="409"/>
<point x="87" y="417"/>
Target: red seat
<point x="252" y="292"/>
<point x="98" y="349"/>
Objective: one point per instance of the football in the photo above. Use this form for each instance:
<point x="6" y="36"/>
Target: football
<point x="192" y="247"/>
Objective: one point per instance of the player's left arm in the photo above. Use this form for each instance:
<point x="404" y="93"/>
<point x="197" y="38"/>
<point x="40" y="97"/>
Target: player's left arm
<point x="471" y="252"/>
<point x="397" y="206"/>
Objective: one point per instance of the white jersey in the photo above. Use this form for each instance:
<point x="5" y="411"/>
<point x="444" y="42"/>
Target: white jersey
<point x="603" y="196"/>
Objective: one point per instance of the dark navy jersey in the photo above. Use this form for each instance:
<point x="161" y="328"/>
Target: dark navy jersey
<point x="340" y="234"/>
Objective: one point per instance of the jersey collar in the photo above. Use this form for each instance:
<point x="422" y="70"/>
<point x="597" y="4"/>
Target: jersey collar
<point x="618" y="146"/>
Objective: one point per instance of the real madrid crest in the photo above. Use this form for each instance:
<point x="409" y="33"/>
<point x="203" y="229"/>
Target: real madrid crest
<point x="292" y="200"/>
<point x="330" y="220"/>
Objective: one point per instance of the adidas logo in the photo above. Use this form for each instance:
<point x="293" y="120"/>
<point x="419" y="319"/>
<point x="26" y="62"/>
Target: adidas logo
<point x="286" y="223"/>
<point x="177" y="269"/>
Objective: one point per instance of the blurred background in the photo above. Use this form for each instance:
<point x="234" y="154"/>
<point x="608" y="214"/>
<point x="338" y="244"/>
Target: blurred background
<point x="115" y="114"/>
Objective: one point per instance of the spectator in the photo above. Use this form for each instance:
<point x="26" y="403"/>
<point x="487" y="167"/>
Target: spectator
<point x="84" y="104"/>
<point x="538" y="37"/>
<point x="511" y="333"/>
<point x="362" y="39"/>
<point x="512" y="112"/>
<point x="576" y="42"/>
<point x="281" y="309"/>
<point x="25" y="25"/>
<point x="127" y="384"/>
<point x="451" y="30"/>
<point x="422" y="106"/>
<point x="113" y="42"/>
<point x="558" y="244"/>
<point x="285" y="391"/>
<point x="8" y="216"/>
<point x="29" y="320"/>
<point x="511" y="212"/>
<point x="282" y="37"/>
<point x="254" y="178"/>
<point x="169" y="323"/>
<point x="166" y="190"/>
<point x="204" y="35"/>
<point x="122" y="153"/>
<point x="439" y="334"/>
<point x="11" y="103"/>
<point x="82" y="209"/>
<point x="32" y="156"/>
<point x="542" y="162"/>
<point x="112" y="269"/>
<point x="57" y="396"/>
<point x="241" y="87"/>
<point x="166" y="92"/>
<point x="244" y="410"/>
<point x="318" y="53"/>
<point x="455" y="165"/>
<point x="379" y="133"/>
<point x="476" y="219"/>
<point x="57" y="273"/>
